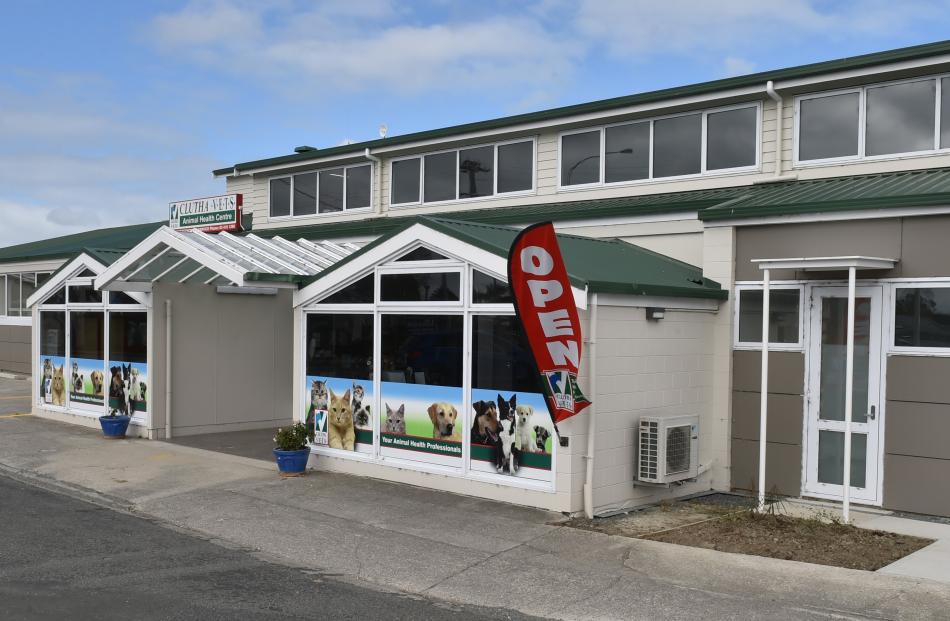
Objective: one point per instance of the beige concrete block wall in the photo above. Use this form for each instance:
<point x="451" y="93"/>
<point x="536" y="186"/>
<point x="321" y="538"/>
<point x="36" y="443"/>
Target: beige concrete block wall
<point x="15" y="348"/>
<point x="649" y="368"/>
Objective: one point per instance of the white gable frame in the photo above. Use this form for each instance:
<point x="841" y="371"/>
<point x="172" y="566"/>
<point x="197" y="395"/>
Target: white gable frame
<point x="69" y="271"/>
<point x="410" y="238"/>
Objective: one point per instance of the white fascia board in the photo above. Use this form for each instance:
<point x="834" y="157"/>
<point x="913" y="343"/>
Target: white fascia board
<point x="848" y="74"/>
<point x="832" y="216"/>
<point x="525" y="129"/>
<point x="83" y="261"/>
<point x="826" y="263"/>
<point x="165" y="236"/>
<point x="484" y="260"/>
<point x="48" y="265"/>
<point x="653" y="301"/>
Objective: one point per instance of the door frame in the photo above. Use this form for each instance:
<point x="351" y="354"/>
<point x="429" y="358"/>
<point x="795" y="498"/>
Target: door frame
<point x="811" y="339"/>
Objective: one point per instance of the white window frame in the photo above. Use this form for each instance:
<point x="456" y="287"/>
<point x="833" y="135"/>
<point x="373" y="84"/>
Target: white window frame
<point x="495" y="194"/>
<point x="317" y="171"/>
<point x="703" y="171"/>
<point x="862" y="124"/>
<point x="25" y="318"/>
<point x="757" y="345"/>
<point x="890" y="316"/>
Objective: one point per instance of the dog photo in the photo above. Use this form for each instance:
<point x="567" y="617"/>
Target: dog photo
<point x="422" y="422"/>
<point x="511" y="434"/>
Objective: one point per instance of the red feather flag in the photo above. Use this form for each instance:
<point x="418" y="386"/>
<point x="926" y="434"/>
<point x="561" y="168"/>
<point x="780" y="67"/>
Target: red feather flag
<point x="545" y="305"/>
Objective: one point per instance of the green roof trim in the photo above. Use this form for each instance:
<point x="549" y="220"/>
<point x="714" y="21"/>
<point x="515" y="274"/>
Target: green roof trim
<point x="702" y="88"/>
<point x="917" y="188"/>
<point x="600" y="265"/>
<point x="69" y="246"/>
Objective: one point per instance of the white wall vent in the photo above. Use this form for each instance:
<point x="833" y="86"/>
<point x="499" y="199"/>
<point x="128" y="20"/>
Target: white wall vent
<point x="668" y="448"/>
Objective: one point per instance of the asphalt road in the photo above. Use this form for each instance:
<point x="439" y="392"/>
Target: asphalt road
<point x="62" y="558"/>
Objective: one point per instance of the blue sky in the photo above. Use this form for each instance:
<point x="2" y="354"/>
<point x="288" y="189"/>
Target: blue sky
<point x="109" y="110"/>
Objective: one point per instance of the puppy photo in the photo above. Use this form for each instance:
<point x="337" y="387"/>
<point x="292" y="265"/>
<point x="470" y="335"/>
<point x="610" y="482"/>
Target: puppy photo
<point x="443" y="417"/>
<point x="395" y="420"/>
<point x="541" y="436"/>
<point x="523" y="415"/>
<point x="342" y="434"/>
<point x="485" y="425"/>
<point x="136" y="390"/>
<point x="58" y="390"/>
<point x="98" y="381"/>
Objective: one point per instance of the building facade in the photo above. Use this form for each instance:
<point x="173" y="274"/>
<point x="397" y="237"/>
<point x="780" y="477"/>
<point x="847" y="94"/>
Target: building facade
<point x="834" y="161"/>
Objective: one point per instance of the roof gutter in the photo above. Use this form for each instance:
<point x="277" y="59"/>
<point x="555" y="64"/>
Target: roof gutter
<point x="779" y="122"/>
<point x="378" y="178"/>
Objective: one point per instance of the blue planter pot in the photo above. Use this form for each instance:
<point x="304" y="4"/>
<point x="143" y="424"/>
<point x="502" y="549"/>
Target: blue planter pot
<point x="114" y="427"/>
<point x="292" y="463"/>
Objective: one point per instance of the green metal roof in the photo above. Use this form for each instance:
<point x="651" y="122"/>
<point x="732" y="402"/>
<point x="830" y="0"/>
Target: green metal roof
<point x="602" y="265"/>
<point x="525" y="214"/>
<point x="68" y="246"/>
<point x="917" y="188"/>
<point x="755" y="79"/>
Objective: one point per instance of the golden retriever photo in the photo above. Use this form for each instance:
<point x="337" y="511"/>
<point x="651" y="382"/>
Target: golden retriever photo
<point x="98" y="381"/>
<point x="341" y="432"/>
<point x="443" y="417"/>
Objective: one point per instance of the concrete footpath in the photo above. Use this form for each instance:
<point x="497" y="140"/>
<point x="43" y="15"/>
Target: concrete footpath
<point x="441" y="545"/>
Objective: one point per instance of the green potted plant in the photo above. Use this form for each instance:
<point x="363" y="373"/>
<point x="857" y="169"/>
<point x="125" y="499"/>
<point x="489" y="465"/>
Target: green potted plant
<point x="292" y="450"/>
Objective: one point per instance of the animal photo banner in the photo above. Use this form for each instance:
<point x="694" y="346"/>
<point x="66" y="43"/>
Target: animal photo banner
<point x="339" y="410"/>
<point x="545" y="305"/>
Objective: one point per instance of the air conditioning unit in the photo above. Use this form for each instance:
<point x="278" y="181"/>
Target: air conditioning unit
<point x="668" y="448"/>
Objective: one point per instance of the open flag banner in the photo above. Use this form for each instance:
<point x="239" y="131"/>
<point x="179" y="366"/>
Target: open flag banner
<point x="545" y="305"/>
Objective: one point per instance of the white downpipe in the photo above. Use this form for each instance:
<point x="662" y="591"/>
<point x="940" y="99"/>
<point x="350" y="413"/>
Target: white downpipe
<point x="764" y="388"/>
<point x="168" y="369"/>
<point x="591" y="421"/>
<point x="848" y="401"/>
<point x="378" y="208"/>
<point x="779" y="121"/>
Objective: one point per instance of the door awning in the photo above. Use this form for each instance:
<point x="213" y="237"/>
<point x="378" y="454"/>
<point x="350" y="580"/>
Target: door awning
<point x="825" y="264"/>
<point x="168" y="255"/>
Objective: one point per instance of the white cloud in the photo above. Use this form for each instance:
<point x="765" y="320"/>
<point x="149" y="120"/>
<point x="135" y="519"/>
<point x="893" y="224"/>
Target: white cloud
<point x="733" y="65"/>
<point x="369" y="47"/>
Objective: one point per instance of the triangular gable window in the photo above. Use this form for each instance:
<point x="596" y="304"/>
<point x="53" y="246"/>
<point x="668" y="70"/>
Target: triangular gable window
<point x="422" y="254"/>
<point x="59" y="297"/>
<point x="489" y="290"/>
<point x="85" y="273"/>
<point x="360" y="292"/>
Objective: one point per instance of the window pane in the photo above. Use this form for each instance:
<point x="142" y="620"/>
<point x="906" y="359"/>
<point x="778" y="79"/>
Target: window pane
<point x="677" y="143"/>
<point x="127" y="381"/>
<point x="627" y="154"/>
<point x="433" y="287"/>
<point x="305" y="194"/>
<point x="280" y="197"/>
<point x="730" y="139"/>
<point x="783" y="316"/>
<point x="118" y="297"/>
<point x="422" y="349"/>
<point x="502" y="358"/>
<point x="57" y="298"/>
<point x="831" y="457"/>
<point x="87" y="358"/>
<point x="84" y="294"/>
<point x="340" y="346"/>
<point x="128" y="335"/>
<point x="3" y="294"/>
<point x="358" y="187"/>
<point x="580" y="158"/>
<point x="52" y="337"/>
<point x="945" y="113"/>
<point x="42" y="277"/>
<point x="515" y="167"/>
<point x="900" y="118"/>
<point x="922" y="317"/>
<point x="421" y="254"/>
<point x="439" y="177"/>
<point x="331" y="190"/>
<point x="828" y="127"/>
<point x="27" y="288"/>
<point x="476" y="172"/>
<point x="489" y="290"/>
<point x="360" y="292"/>
<point x="405" y="181"/>
<point x="13" y="295"/>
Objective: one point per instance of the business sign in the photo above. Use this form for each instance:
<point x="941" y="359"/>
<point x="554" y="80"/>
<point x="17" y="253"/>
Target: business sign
<point x="545" y="305"/>
<point x="212" y="214"/>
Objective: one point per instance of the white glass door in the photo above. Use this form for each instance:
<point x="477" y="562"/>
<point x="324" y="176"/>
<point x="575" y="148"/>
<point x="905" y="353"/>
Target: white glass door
<point x="824" y="449"/>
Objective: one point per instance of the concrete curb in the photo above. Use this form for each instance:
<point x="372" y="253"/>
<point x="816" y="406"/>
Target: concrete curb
<point x="67" y="489"/>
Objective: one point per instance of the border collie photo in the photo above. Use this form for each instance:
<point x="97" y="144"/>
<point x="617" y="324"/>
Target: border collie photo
<point x="511" y="434"/>
<point x="340" y="409"/>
